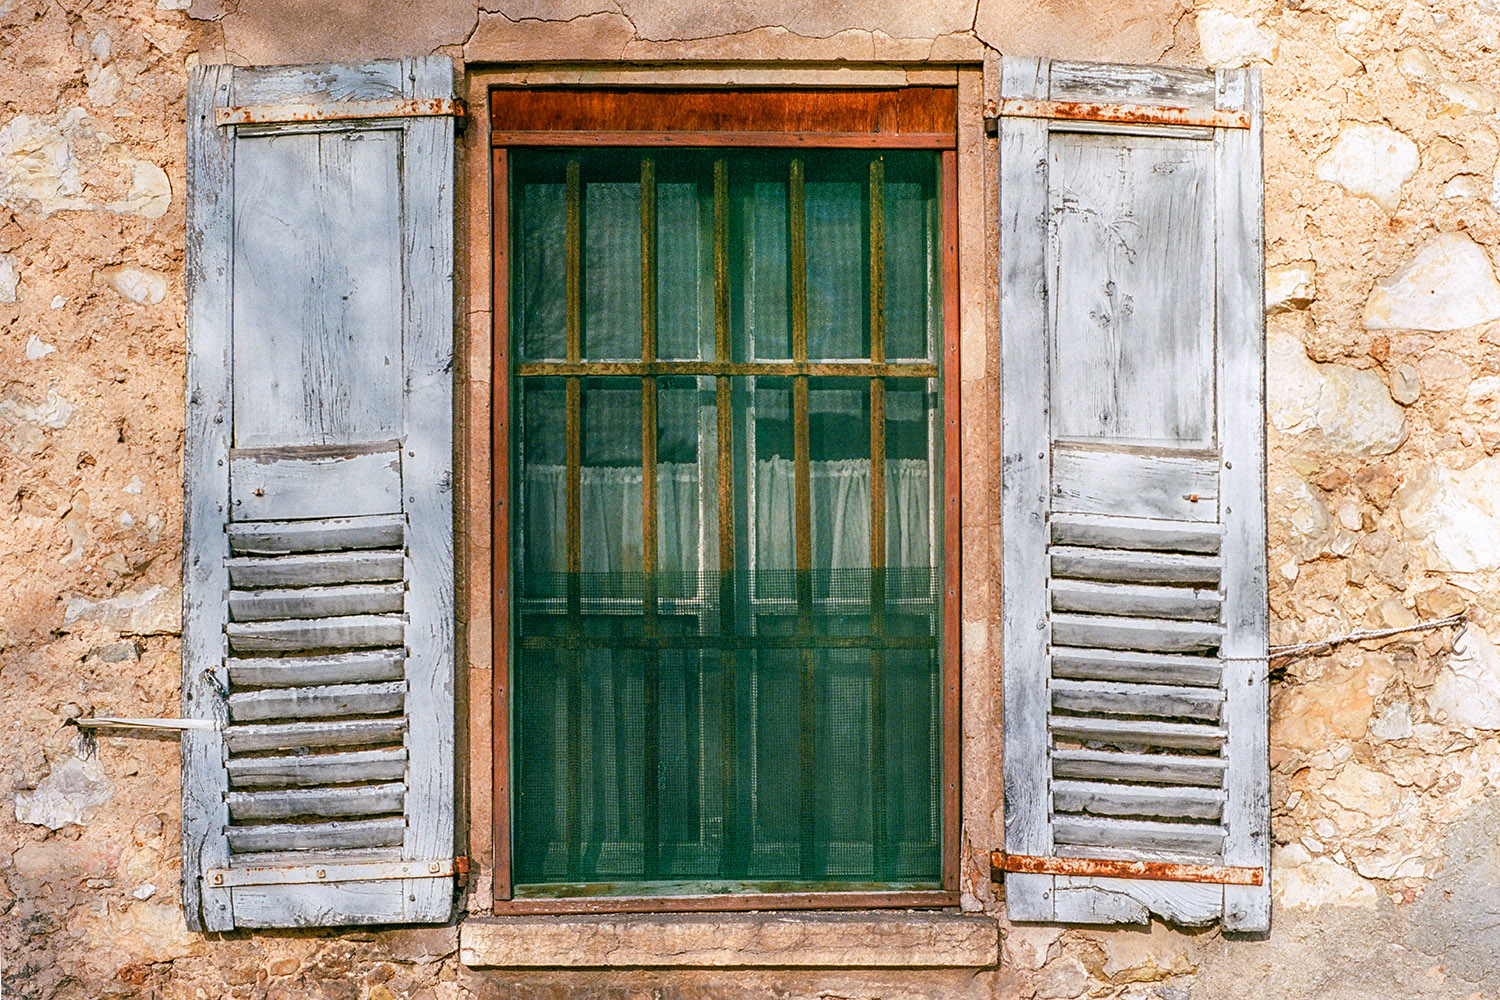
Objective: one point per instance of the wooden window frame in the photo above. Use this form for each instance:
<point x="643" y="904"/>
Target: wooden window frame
<point x="760" y="117"/>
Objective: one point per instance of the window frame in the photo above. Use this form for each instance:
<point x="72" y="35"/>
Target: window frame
<point x="756" y="124"/>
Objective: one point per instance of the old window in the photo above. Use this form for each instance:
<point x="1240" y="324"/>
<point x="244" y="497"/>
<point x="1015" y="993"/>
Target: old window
<point x="727" y="519"/>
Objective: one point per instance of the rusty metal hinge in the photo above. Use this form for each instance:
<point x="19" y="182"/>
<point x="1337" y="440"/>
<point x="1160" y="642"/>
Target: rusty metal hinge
<point x="281" y="114"/>
<point x="1163" y="871"/>
<point x="1124" y="114"/>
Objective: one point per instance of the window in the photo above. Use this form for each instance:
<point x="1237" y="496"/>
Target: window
<point x="727" y="519"/>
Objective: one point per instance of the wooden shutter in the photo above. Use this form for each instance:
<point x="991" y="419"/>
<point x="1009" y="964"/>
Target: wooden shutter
<point x="1136" y="776"/>
<point x="318" y="565"/>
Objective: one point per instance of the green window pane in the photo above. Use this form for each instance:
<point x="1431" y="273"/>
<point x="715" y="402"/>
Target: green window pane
<point x="722" y="682"/>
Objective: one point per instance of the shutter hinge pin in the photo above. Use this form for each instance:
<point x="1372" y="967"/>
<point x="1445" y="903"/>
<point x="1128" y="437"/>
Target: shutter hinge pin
<point x="461" y="870"/>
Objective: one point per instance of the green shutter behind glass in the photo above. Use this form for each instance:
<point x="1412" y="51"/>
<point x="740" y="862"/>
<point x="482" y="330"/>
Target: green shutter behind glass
<point x="1133" y="500"/>
<point x="318" y="568"/>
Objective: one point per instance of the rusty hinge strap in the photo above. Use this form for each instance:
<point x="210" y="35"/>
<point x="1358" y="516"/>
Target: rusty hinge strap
<point x="1129" y="114"/>
<point x="361" y="871"/>
<point x="269" y="114"/>
<point x="1106" y="868"/>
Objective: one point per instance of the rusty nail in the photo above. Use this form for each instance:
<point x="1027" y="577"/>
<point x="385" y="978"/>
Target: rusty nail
<point x="322" y="873"/>
<point x="434" y="868"/>
<point x="218" y="879"/>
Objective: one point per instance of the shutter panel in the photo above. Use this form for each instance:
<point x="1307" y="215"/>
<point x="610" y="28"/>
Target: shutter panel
<point x="318" y="567"/>
<point x="1134" y="599"/>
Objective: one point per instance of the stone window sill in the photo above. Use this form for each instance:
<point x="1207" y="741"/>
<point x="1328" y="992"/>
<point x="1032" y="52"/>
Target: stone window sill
<point x="804" y="939"/>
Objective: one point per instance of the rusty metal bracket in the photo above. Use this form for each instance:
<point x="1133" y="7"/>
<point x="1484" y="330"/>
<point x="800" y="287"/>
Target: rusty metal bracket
<point x="361" y="871"/>
<point x="281" y="114"/>
<point x="1106" y="868"/>
<point x="1125" y="114"/>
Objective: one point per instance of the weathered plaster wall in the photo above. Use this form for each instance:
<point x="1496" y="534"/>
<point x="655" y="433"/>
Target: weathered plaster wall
<point x="1383" y="221"/>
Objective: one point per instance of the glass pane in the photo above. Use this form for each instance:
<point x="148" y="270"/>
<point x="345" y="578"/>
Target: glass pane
<point x="539" y="304"/>
<point x="744" y="717"/>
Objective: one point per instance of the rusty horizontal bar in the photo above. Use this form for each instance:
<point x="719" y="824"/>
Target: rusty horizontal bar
<point x="1106" y="868"/>
<point x="727" y="642"/>
<point x="901" y="899"/>
<point x="358" y="871"/>
<point x="266" y="114"/>
<point x="1131" y="114"/>
<point x="649" y="369"/>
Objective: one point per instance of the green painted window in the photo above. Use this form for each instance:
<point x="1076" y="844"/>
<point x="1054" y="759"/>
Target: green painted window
<point x="727" y="452"/>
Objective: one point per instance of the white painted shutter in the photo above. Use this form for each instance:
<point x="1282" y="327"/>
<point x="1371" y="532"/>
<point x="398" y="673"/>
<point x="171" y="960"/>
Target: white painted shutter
<point x="1132" y="373"/>
<point x="318" y="564"/>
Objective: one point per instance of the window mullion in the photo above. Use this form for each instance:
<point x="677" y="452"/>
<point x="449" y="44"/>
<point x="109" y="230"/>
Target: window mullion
<point x="573" y="279"/>
<point x="650" y="751"/>
<point x="880" y="840"/>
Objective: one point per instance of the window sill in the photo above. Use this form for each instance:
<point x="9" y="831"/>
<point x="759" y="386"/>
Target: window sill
<point x="815" y="939"/>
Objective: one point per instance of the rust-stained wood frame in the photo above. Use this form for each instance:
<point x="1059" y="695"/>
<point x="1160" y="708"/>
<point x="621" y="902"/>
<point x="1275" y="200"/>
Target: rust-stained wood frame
<point x="878" y="370"/>
<point x="1164" y="871"/>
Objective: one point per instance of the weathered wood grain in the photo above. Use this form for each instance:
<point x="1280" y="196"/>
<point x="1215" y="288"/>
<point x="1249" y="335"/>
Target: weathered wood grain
<point x="1158" y="635"/>
<point x="1199" y="839"/>
<point x="1242" y="431"/>
<point x="206" y="494"/>
<point x="1107" y="598"/>
<point x="1141" y="801"/>
<point x="1175" y="487"/>
<point x="317" y="769"/>
<point x="1190" y="904"/>
<point x="1136" y="733"/>
<point x="341" y="668"/>
<point x="1108" y="765"/>
<point x="289" y="736"/>
<point x="1124" y="566"/>
<point x="1164" y="86"/>
<point x="276" y="538"/>
<point x="1135" y="533"/>
<point x="322" y="486"/>
<point x="328" y="803"/>
<point x="314" y="602"/>
<point x="324" y="84"/>
<point x="313" y="569"/>
<point x="298" y="635"/>
<point x="330" y="701"/>
<point x="381" y="832"/>
<point x="1194" y="703"/>
<point x="1023" y="483"/>
<point x="1128" y="665"/>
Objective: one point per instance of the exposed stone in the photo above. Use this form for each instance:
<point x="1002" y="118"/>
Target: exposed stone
<point x="38" y="172"/>
<point x="1471" y="97"/>
<point x="1441" y="601"/>
<point x="1359" y="789"/>
<point x="421" y="944"/>
<point x="143" y="891"/>
<point x="1064" y="979"/>
<point x="1310" y="717"/>
<point x="1320" y="882"/>
<point x="69" y="794"/>
<point x="154" y="611"/>
<point x="10" y="278"/>
<point x="1371" y="161"/>
<point x="1310" y="530"/>
<point x="1449" y="284"/>
<point x="1229" y="41"/>
<point x="1465" y="186"/>
<point x="1393" y="725"/>
<point x="1406" y="384"/>
<point x="52" y="414"/>
<point x="1290" y="286"/>
<point x="1329" y="407"/>
<point x="1029" y="946"/>
<point x="1452" y="518"/>
<point x="1466" y="693"/>
<point x="116" y="652"/>
<point x="145" y="932"/>
<point x="139" y="285"/>
<point x="36" y="349"/>
<point x="150" y="191"/>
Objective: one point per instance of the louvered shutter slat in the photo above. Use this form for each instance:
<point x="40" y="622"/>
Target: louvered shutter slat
<point x="319" y="587"/>
<point x="1133" y="567"/>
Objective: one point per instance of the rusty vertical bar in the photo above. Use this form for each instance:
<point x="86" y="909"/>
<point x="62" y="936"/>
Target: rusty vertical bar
<point x="952" y="528"/>
<point x="650" y="749"/>
<point x="729" y="658"/>
<point x="802" y="521"/>
<point x="573" y="430"/>
<point x="500" y="449"/>
<point x="879" y="821"/>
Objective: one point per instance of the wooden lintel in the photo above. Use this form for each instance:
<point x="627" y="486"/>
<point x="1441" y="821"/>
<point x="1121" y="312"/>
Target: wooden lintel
<point x="1108" y="868"/>
<point x="1127" y="114"/>
<point x="449" y="107"/>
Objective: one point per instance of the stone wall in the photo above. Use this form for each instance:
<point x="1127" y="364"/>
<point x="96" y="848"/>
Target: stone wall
<point x="1383" y="218"/>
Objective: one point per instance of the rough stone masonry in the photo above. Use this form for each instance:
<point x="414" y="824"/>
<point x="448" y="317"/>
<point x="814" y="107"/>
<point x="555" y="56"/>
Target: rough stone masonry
<point x="1383" y="313"/>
